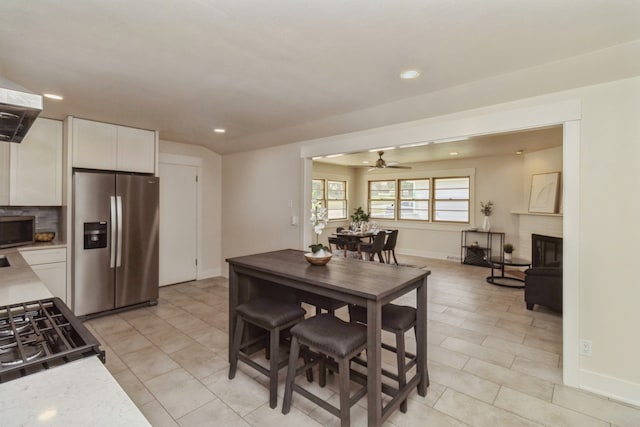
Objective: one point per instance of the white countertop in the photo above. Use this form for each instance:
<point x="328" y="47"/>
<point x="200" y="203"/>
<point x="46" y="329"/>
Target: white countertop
<point x="79" y="393"/>
<point x="18" y="283"/>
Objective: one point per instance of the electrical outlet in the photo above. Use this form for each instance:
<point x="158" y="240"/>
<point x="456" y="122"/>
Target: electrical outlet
<point x="586" y="347"/>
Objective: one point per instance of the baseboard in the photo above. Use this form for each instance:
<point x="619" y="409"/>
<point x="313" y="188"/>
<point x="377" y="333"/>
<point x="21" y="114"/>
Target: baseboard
<point x="434" y="255"/>
<point x="614" y="388"/>
<point x="208" y="273"/>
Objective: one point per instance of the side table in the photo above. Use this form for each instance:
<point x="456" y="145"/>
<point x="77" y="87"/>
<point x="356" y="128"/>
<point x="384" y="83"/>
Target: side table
<point x="498" y="263"/>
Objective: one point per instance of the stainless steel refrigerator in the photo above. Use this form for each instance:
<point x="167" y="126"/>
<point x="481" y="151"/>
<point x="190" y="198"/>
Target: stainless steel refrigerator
<point x="115" y="241"/>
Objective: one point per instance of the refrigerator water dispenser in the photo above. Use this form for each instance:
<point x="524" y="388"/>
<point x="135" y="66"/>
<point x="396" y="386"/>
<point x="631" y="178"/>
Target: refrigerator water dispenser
<point x="95" y="235"/>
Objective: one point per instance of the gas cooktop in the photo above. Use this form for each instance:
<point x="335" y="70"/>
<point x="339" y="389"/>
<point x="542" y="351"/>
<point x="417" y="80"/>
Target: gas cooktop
<point x="41" y="334"/>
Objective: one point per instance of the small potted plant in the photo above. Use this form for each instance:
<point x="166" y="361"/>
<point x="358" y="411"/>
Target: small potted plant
<point x="359" y="217"/>
<point x="508" y="249"/>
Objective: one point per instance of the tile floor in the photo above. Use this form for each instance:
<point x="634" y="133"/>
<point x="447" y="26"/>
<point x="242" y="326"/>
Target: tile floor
<point x="491" y="362"/>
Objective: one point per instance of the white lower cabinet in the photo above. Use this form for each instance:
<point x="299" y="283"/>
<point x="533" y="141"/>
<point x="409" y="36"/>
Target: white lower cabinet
<point x="50" y="265"/>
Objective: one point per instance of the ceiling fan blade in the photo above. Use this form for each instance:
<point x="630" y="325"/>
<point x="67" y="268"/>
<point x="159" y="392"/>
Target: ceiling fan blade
<point x="398" y="167"/>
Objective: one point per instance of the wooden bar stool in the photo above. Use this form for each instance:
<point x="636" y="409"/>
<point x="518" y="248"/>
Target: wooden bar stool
<point x="334" y="338"/>
<point x="397" y="319"/>
<point x="273" y="316"/>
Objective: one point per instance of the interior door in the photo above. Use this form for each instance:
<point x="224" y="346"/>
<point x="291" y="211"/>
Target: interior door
<point x="178" y="223"/>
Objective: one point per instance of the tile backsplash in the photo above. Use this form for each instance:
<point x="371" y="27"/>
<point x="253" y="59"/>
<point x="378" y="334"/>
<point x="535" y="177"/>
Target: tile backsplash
<point x="47" y="217"/>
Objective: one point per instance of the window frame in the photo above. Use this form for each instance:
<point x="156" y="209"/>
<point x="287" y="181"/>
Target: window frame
<point x="394" y="201"/>
<point x="413" y="199"/>
<point x="432" y="201"/>
<point x="322" y="200"/>
<point x="345" y="199"/>
<point x="468" y="200"/>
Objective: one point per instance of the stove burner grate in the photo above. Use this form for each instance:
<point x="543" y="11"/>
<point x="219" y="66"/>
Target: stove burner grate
<point x="39" y="334"/>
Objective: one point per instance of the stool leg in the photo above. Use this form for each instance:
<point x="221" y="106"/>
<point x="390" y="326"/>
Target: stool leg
<point x="322" y="371"/>
<point x="273" y="367"/>
<point x="291" y="373"/>
<point x="345" y="408"/>
<point x="402" y="368"/>
<point x="235" y="349"/>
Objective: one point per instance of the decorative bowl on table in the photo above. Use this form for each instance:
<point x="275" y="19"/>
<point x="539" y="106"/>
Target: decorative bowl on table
<point x="44" y="236"/>
<point x="314" y="259"/>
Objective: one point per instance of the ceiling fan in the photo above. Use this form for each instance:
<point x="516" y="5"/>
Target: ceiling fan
<point x="381" y="164"/>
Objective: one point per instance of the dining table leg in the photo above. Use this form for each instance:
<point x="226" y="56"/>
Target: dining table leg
<point x="421" y="337"/>
<point x="374" y="363"/>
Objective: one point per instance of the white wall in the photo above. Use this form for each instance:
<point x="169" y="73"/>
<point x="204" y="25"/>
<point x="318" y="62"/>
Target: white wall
<point x="600" y="286"/>
<point x="538" y="162"/>
<point x="258" y="188"/>
<point x="210" y="236"/>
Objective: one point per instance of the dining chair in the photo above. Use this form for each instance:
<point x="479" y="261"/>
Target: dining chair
<point x="338" y="241"/>
<point x="374" y="248"/>
<point x="390" y="247"/>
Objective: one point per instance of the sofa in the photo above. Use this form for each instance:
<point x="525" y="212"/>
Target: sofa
<point x="543" y="281"/>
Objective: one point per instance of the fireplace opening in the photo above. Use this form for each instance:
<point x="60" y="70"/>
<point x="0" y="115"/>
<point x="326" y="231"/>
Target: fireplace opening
<point x="546" y="251"/>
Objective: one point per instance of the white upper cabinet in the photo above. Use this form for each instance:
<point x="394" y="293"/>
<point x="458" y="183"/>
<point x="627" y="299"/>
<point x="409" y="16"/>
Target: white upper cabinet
<point x="112" y="147"/>
<point x="136" y="150"/>
<point x="95" y="145"/>
<point x="35" y="177"/>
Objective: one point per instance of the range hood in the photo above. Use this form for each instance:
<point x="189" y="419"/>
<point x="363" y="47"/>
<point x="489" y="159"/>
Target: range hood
<point x="18" y="110"/>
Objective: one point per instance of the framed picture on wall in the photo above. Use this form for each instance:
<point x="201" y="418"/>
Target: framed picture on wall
<point x="544" y="193"/>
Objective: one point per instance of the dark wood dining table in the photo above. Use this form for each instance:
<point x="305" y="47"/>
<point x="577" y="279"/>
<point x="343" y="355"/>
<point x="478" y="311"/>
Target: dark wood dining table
<point x="367" y="284"/>
<point x="353" y="238"/>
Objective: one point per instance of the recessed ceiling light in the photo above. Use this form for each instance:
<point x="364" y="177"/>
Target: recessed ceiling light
<point x="53" y="96"/>
<point x="453" y="153"/>
<point x="520" y="152"/>
<point x="366" y="162"/>
<point x="219" y="130"/>
<point x="410" y="74"/>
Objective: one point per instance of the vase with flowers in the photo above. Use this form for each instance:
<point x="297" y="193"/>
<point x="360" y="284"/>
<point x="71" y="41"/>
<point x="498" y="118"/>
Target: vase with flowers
<point x="320" y="254"/>
<point x="487" y="210"/>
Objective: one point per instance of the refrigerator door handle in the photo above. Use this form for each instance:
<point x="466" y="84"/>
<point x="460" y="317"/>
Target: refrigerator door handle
<point x="119" y="227"/>
<point x="114" y="221"/>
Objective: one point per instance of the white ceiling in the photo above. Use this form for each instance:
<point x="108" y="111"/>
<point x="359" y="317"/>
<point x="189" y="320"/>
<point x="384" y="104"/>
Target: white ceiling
<point x="265" y="70"/>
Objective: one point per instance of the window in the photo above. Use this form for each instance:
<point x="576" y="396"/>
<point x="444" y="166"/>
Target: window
<point x="414" y="199"/>
<point x="317" y="190"/>
<point x="337" y="199"/>
<point x="444" y="199"/>
<point x="451" y="199"/>
<point x="382" y="198"/>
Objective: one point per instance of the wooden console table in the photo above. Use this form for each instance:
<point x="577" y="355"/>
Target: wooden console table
<point x="367" y="284"/>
